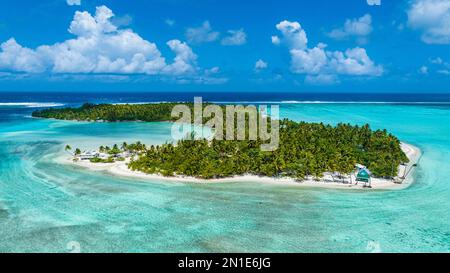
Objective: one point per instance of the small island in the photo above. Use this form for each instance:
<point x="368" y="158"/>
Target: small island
<point x="308" y="151"/>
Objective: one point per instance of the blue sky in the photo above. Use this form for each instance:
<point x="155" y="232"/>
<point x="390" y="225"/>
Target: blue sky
<point x="212" y="45"/>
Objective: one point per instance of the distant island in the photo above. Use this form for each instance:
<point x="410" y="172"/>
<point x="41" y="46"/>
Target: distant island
<point x="306" y="149"/>
<point x="113" y="112"/>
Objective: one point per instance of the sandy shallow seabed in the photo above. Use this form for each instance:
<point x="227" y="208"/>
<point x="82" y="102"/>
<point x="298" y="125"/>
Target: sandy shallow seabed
<point x="121" y="169"/>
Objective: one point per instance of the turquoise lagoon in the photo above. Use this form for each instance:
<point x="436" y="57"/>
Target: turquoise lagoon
<point x="46" y="206"/>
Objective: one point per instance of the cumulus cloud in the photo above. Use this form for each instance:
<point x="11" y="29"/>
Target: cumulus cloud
<point x="85" y="25"/>
<point x="359" y="28"/>
<point x="74" y="2"/>
<point x="354" y="61"/>
<point x="317" y="60"/>
<point x="201" y="34"/>
<point x="293" y="35"/>
<point x="185" y="60"/>
<point x="99" y="47"/>
<point x="260" y="65"/>
<point x="374" y="2"/>
<point x="319" y="64"/>
<point x="17" y="58"/>
<point x="432" y="18"/>
<point x="236" y="37"/>
<point x="309" y="61"/>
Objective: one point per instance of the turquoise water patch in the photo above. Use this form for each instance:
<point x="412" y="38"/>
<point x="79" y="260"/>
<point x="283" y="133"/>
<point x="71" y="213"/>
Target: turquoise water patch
<point x="46" y="206"/>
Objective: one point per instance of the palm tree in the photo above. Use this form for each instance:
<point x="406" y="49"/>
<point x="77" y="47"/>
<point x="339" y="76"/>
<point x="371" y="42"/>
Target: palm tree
<point x="138" y="146"/>
<point x="77" y="151"/>
<point x="124" y="146"/>
<point x="67" y="148"/>
<point x="115" y="150"/>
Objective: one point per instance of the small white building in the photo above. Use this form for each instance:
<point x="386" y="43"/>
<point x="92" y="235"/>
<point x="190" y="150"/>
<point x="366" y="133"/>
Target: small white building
<point x="103" y="155"/>
<point x="89" y="155"/>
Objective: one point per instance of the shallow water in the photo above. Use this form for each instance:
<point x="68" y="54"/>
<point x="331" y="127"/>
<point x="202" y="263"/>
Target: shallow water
<point x="45" y="206"/>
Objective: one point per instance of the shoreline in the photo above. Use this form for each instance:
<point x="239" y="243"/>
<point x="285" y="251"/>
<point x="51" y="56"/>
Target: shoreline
<point x="120" y="169"/>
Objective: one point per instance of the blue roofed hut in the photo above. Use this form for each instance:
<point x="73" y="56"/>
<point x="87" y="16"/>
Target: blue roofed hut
<point x="364" y="175"/>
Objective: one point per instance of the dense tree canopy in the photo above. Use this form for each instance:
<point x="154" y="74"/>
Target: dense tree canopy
<point x="305" y="149"/>
<point x="109" y="112"/>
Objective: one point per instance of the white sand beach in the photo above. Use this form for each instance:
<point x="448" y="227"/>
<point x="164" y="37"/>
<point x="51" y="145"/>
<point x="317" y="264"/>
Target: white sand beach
<point x="121" y="169"/>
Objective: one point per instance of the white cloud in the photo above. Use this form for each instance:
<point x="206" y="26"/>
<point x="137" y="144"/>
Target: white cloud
<point x="185" y="60"/>
<point x="444" y="72"/>
<point x="374" y="2"/>
<point x="236" y="37"/>
<point x="211" y="71"/>
<point x="440" y="62"/>
<point x="99" y="47"/>
<point x="201" y="34"/>
<point x="85" y="25"/>
<point x="354" y="61"/>
<point x="74" y="2"/>
<point x="309" y="61"/>
<point x="170" y="22"/>
<point x="432" y="18"/>
<point x="423" y="70"/>
<point x="437" y="60"/>
<point x="320" y="65"/>
<point x="318" y="61"/>
<point x="293" y="35"/>
<point x="17" y="58"/>
<point x="359" y="27"/>
<point x="275" y="40"/>
<point x="260" y="65"/>
<point x="436" y="65"/>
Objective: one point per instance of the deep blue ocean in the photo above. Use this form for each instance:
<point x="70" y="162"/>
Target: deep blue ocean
<point x="48" y="206"/>
<point x="280" y="97"/>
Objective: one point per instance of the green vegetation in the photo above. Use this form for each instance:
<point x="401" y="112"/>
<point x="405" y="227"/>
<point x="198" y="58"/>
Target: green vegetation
<point x="115" y="150"/>
<point x="67" y="148"/>
<point x="110" y="112"/>
<point x="306" y="149"/>
<point x="100" y="160"/>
